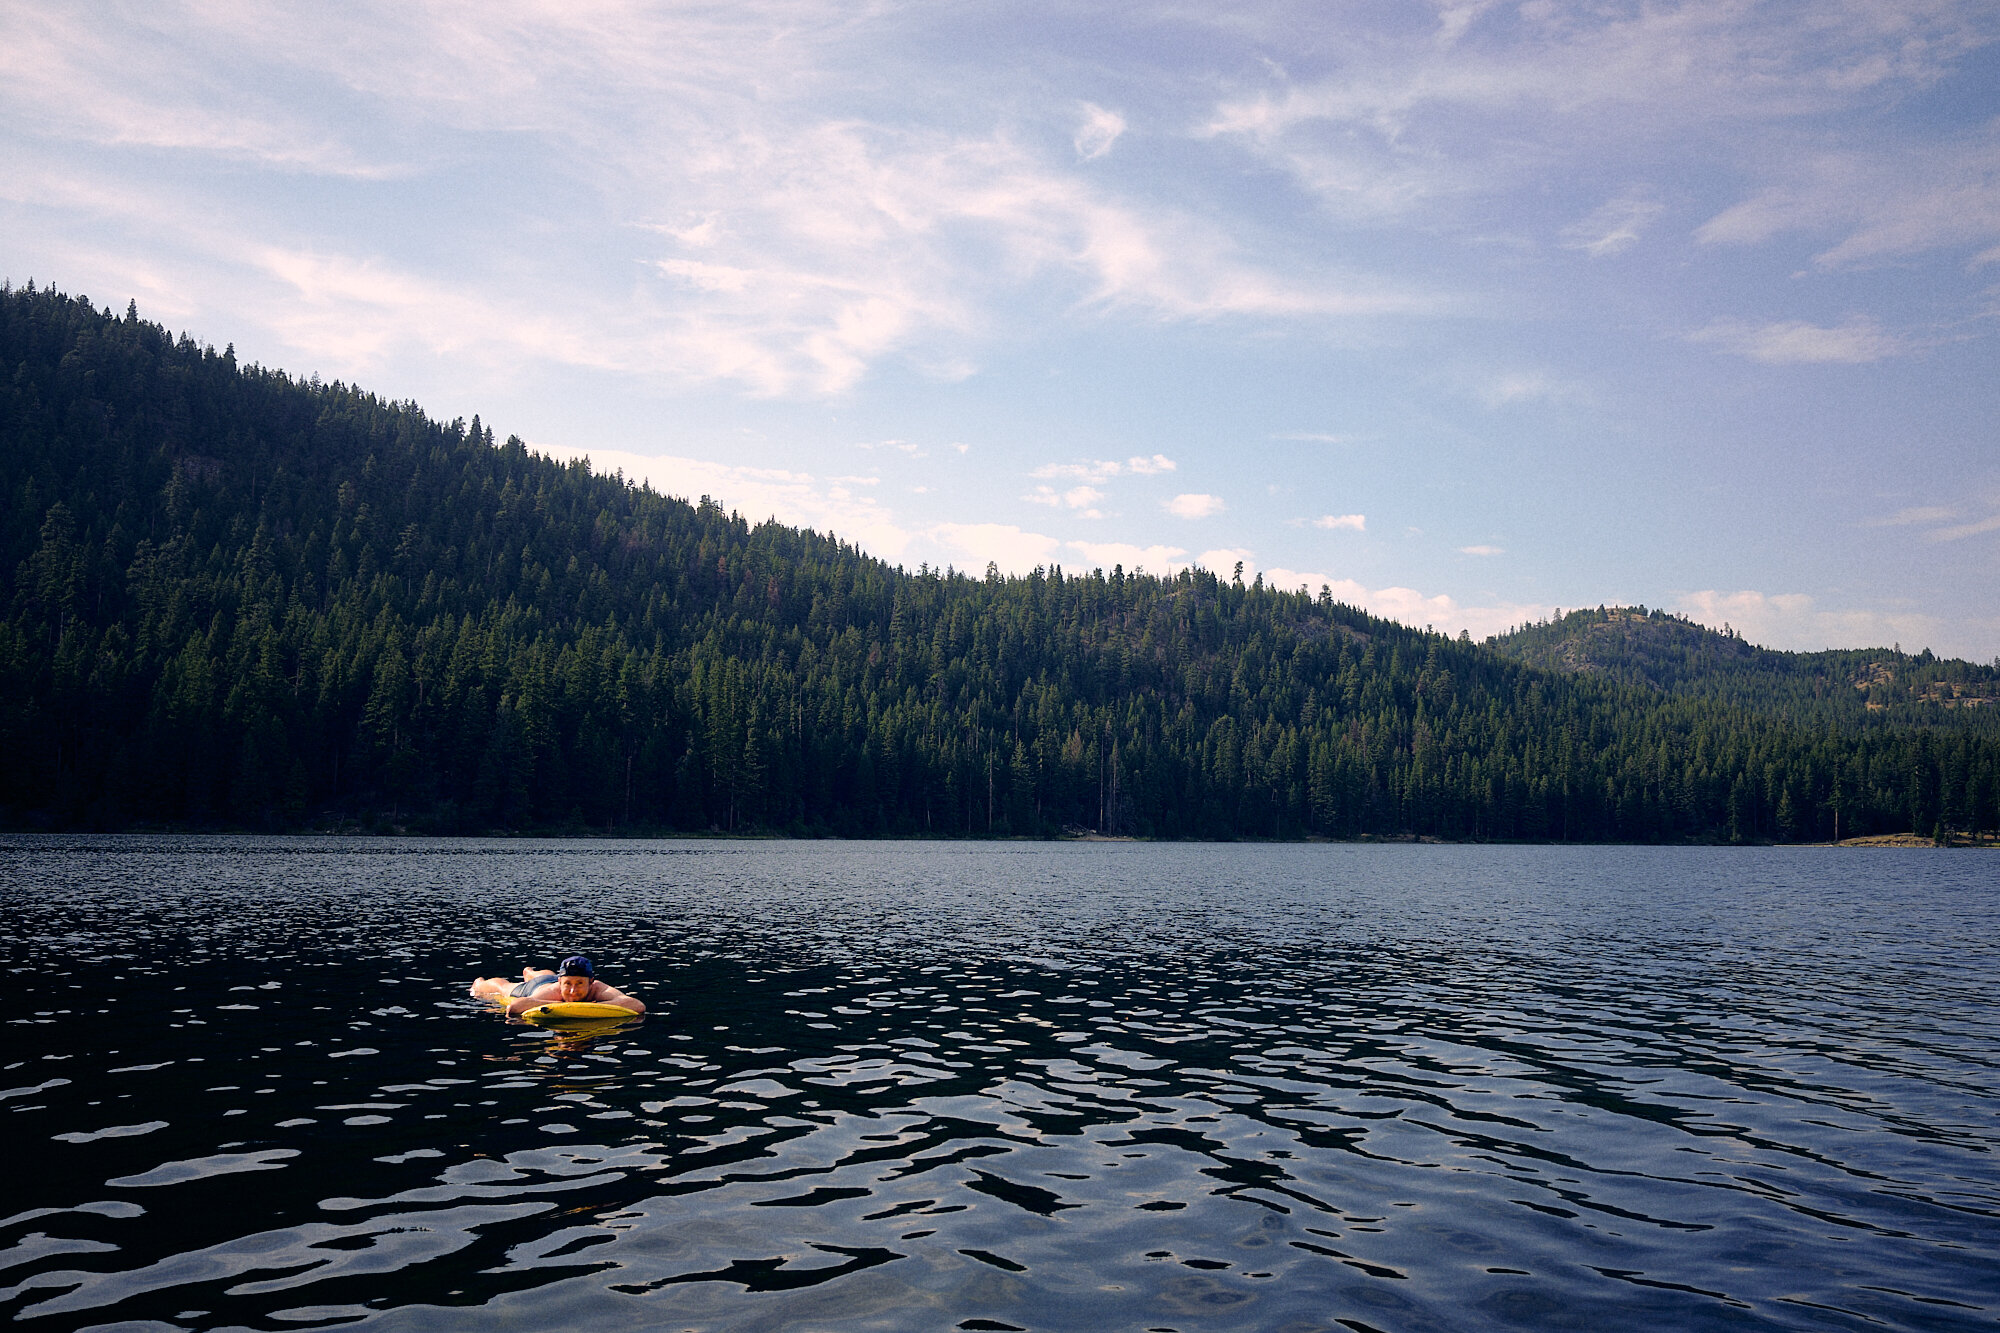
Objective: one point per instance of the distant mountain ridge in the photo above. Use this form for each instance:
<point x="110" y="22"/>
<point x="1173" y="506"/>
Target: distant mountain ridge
<point x="1658" y="650"/>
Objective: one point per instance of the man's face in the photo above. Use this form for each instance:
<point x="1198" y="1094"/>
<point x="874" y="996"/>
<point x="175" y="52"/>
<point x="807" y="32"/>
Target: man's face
<point x="573" y="988"/>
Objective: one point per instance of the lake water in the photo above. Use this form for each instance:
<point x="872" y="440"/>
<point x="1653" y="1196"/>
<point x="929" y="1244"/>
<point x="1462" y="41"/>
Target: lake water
<point x="1015" y="1086"/>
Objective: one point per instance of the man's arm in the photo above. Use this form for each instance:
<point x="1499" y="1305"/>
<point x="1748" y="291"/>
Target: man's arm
<point x="612" y="995"/>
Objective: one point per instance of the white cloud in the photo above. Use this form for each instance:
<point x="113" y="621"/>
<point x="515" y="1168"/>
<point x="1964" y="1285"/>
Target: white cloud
<point x="1194" y="505"/>
<point x="1796" y="622"/>
<point x="1855" y="341"/>
<point x="1404" y="605"/>
<point x="1155" y="559"/>
<point x="1100" y="129"/>
<point x="971" y="546"/>
<point x="1320" y="437"/>
<point x="801" y="499"/>
<point x="1099" y="470"/>
<point x="1224" y="559"/>
<point x="1482" y="550"/>
<point x="1353" y="522"/>
<point x="1076" y="497"/>
<point x="1613" y="227"/>
<point x="1102" y="469"/>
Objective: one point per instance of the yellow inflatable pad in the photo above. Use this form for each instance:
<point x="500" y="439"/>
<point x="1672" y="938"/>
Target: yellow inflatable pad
<point x="565" y="1011"/>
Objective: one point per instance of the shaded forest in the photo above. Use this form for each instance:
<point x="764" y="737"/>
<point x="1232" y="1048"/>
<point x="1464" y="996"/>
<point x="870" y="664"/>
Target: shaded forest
<point x="233" y="598"/>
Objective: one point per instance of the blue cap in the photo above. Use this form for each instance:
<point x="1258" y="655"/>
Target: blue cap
<point x="576" y="965"/>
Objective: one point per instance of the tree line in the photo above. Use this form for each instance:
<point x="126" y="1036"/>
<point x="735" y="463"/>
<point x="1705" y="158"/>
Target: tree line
<point x="237" y="598"/>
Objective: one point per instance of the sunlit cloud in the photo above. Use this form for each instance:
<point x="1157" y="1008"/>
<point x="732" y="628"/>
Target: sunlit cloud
<point x="1153" y="559"/>
<point x="1407" y="606"/>
<point x="800" y="499"/>
<point x="972" y="546"/>
<point x="1334" y="522"/>
<point x="1194" y="505"/>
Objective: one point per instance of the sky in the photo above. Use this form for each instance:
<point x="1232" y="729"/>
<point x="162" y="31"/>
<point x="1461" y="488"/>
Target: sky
<point x="1472" y="312"/>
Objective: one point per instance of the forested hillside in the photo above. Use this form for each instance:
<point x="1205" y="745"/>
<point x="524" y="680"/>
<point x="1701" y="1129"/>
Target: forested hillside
<point x="1850" y="687"/>
<point x="233" y="598"/>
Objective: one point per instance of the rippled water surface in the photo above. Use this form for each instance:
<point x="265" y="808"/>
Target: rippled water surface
<point x="1067" y="1086"/>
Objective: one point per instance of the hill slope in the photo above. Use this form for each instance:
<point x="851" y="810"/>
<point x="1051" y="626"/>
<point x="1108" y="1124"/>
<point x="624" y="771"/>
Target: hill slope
<point x="232" y="597"/>
<point x="1850" y="688"/>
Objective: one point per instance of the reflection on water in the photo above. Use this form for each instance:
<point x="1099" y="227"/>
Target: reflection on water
<point x="1002" y="1087"/>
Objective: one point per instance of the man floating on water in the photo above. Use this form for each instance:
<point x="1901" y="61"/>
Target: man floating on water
<point x="574" y="981"/>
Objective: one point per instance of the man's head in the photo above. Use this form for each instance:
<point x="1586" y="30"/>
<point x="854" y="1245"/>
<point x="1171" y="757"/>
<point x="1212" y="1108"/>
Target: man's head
<point x="573" y="977"/>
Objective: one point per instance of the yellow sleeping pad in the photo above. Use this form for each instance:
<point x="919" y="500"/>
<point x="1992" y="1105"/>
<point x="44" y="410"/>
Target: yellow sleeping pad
<point x="569" y="1011"/>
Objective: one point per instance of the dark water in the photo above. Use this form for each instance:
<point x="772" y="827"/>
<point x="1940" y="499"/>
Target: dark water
<point x="989" y="1087"/>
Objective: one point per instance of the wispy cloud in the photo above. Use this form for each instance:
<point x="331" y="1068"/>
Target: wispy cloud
<point x="1855" y="341"/>
<point x="1407" y="119"/>
<point x="1960" y="531"/>
<point x="1194" y="505"/>
<point x="1100" y="130"/>
<point x="1334" y="522"/>
<point x="1482" y="550"/>
<point x="56" y="71"/>
<point x="1880" y="204"/>
<point x="1915" y="514"/>
<point x="1946" y="523"/>
<point x="1525" y="386"/>
<point x="1319" y="437"/>
<point x="798" y="235"/>
<point x="1615" y="226"/>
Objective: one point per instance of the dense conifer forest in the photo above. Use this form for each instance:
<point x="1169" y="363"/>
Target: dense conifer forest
<point x="233" y="598"/>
